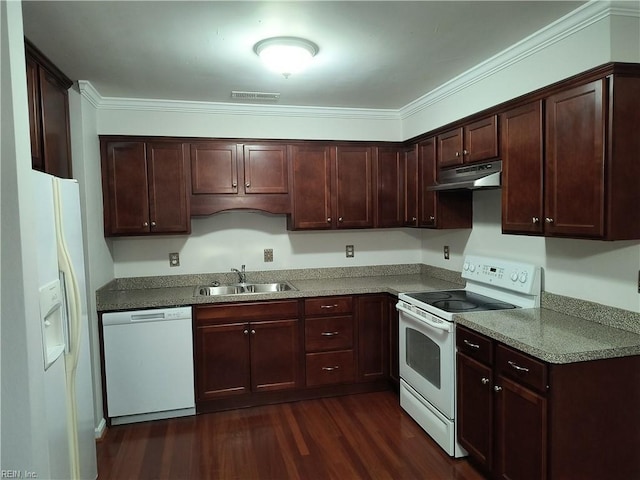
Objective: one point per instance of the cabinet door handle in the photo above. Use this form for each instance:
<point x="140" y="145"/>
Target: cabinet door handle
<point x="484" y="380"/>
<point x="330" y="334"/>
<point x="331" y="369"/>
<point x="153" y="224"/>
<point x="535" y="220"/>
<point x="497" y="388"/>
<point x="245" y="331"/>
<point x="335" y="305"/>
<point x="340" y="219"/>
<point x="234" y="184"/>
<point x="248" y="184"/>
<point x="328" y="219"/>
<point x="413" y="219"/>
<point x="432" y="218"/>
<point x="548" y="220"/>
<point x="518" y="367"/>
<point x="465" y="152"/>
<point x="253" y="332"/>
<point x="145" y="224"/>
<point x="472" y="345"/>
<point x="457" y="154"/>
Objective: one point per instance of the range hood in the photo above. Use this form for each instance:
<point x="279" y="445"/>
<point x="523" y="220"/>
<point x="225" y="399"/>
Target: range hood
<point x="470" y="177"/>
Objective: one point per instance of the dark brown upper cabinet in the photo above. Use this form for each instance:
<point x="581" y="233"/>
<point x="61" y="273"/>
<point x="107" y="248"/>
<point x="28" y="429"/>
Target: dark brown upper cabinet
<point x="353" y="186"/>
<point x="332" y="187"/>
<point x="388" y="191"/>
<point x="411" y="181"/>
<point x="228" y="175"/>
<point x="521" y="144"/>
<point x="48" y="99"/>
<point x="144" y="187"/>
<point x="586" y="183"/>
<point x="452" y="209"/>
<point x="474" y="142"/>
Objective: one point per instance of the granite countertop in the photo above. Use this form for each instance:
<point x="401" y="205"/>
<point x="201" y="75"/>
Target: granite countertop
<point x="553" y="336"/>
<point x="565" y="330"/>
<point x="109" y="299"/>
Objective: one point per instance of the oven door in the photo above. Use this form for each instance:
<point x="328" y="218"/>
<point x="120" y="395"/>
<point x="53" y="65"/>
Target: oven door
<point x="427" y="349"/>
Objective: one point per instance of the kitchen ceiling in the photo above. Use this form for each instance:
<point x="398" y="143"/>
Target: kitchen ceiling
<point x="376" y="55"/>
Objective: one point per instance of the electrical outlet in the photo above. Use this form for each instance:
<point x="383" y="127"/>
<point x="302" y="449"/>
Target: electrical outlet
<point x="446" y="252"/>
<point x="174" y="259"/>
<point x="349" y="251"/>
<point x="268" y="254"/>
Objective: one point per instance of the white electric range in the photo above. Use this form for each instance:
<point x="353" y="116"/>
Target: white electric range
<point x="427" y="337"/>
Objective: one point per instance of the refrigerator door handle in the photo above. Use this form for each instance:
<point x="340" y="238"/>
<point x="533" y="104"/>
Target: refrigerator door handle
<point x="74" y="312"/>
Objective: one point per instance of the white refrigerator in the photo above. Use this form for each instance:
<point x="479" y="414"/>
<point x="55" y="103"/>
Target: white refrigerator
<point x="65" y="330"/>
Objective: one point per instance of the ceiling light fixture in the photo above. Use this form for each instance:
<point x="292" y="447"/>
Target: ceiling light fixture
<point x="286" y="55"/>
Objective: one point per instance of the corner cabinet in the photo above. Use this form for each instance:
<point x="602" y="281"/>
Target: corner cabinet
<point x="587" y="183"/>
<point x="48" y="100"/>
<point x="520" y="417"/>
<point x="388" y="187"/>
<point x="229" y="175"/>
<point x="427" y="209"/>
<point x="144" y="187"/>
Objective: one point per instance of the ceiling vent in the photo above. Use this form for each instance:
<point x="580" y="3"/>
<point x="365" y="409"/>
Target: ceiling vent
<point x="272" y="97"/>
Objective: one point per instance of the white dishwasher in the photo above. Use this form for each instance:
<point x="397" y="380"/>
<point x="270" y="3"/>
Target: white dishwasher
<point x="148" y="361"/>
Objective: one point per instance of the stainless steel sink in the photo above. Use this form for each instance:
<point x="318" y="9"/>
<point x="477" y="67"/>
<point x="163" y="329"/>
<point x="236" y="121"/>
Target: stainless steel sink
<point x="242" y="288"/>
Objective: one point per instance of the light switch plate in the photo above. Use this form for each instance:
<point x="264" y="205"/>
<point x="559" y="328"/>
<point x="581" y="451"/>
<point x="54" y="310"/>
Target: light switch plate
<point x="174" y="259"/>
<point x="446" y="252"/>
<point x="268" y="254"/>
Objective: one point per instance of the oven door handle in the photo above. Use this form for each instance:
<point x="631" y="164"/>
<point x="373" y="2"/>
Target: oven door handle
<point x="446" y="327"/>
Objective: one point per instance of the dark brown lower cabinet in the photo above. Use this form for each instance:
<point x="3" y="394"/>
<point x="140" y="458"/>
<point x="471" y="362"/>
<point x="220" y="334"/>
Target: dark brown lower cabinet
<point x="257" y="353"/>
<point x="521" y="418"/>
<point x="246" y="348"/>
<point x="373" y="337"/>
<point x="394" y="336"/>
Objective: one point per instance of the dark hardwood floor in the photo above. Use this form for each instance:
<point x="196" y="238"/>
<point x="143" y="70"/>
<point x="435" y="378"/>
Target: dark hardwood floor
<point x="365" y="436"/>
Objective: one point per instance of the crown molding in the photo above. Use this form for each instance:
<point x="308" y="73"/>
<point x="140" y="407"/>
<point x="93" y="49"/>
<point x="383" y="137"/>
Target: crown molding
<point x="579" y="19"/>
<point x="573" y="22"/>
<point x="219" y="108"/>
<point x="90" y="93"/>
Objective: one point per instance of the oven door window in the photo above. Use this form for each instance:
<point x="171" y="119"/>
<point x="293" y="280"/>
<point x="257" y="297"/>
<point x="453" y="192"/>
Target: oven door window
<point x="423" y="356"/>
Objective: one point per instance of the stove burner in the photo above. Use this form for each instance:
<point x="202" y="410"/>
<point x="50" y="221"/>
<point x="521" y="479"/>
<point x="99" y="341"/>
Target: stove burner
<point x="454" y="305"/>
<point x="454" y="301"/>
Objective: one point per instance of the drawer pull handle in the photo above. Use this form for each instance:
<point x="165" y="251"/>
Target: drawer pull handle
<point x="331" y="369"/>
<point x="484" y="380"/>
<point x="497" y="388"/>
<point x="472" y="345"/>
<point x="330" y="334"/>
<point x="518" y="367"/>
<point x="335" y="305"/>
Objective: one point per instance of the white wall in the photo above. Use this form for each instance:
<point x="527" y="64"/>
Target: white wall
<point x="227" y="240"/>
<point x="149" y="117"/>
<point x="599" y="271"/>
<point x="602" y="272"/>
<point x="98" y="261"/>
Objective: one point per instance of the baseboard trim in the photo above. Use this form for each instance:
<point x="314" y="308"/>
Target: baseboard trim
<point x="101" y="429"/>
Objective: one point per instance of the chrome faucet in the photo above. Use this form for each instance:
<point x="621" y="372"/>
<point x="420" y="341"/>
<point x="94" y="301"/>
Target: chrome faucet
<point x="241" y="274"/>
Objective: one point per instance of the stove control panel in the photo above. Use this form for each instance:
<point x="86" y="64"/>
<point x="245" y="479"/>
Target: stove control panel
<point x="516" y="276"/>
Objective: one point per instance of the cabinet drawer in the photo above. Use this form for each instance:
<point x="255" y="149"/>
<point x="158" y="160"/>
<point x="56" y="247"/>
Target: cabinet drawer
<point x="328" y="333"/>
<point x="328" y="305"/>
<point x="330" y="367"/>
<point x="209" y="314"/>
<point x="521" y="367"/>
<point x="474" y="345"/>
